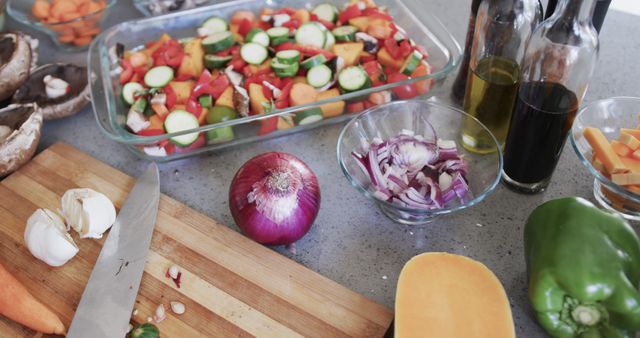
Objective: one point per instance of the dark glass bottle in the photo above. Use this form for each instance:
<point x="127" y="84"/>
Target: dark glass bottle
<point x="602" y="6"/>
<point x="559" y="61"/>
<point x="460" y="83"/>
<point x="503" y="28"/>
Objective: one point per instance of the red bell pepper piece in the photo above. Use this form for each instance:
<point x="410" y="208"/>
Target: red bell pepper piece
<point x="285" y="46"/>
<point x="328" y="24"/>
<point x="292" y="24"/>
<point x="172" y="98"/>
<point x="264" y="25"/>
<point x="237" y="64"/>
<point x="150" y="132"/>
<point x="368" y="58"/>
<point x="207" y="86"/>
<point x="405" y="48"/>
<point x="308" y="51"/>
<point x="374" y="70"/>
<point x="353" y="11"/>
<point x="127" y="71"/>
<point x="268" y="125"/>
<point x="194" y="107"/>
<point x="282" y="101"/>
<point x="245" y="27"/>
<point x="404" y="91"/>
<point x="376" y="13"/>
<point x="285" y="10"/>
<point x="355" y="107"/>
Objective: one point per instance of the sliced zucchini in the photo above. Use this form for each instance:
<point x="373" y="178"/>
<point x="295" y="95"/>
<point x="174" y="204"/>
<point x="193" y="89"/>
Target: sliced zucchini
<point x="206" y="101"/>
<point x="158" y="77"/>
<point x="258" y="36"/>
<point x="219" y="135"/>
<point x="288" y="56"/>
<point x="345" y="33"/>
<point x="411" y="63"/>
<point x="212" y="61"/>
<point x="215" y="24"/>
<point x="330" y="40"/>
<point x="254" y="53"/>
<point x="352" y="79"/>
<point x="129" y="91"/>
<point x="311" y="34"/>
<point x="283" y="69"/>
<point x="313" y="61"/>
<point x="278" y="35"/>
<point x="220" y="114"/>
<point x="319" y="76"/>
<point x="327" y="12"/>
<point x="308" y="116"/>
<point x="218" y="42"/>
<point x="181" y="120"/>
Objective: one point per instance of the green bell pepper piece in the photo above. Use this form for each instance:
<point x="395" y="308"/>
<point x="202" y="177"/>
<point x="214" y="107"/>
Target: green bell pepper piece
<point x="584" y="270"/>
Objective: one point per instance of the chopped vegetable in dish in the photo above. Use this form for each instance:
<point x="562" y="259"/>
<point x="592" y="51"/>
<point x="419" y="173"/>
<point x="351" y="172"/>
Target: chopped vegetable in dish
<point x="253" y="64"/>
<point x="410" y="171"/>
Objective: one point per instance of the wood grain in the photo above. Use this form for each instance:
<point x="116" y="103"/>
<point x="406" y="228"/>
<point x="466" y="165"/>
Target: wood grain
<point x="231" y="286"/>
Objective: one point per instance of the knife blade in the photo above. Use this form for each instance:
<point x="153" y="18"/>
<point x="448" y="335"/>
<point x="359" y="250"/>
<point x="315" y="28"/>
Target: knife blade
<point x="105" y="308"/>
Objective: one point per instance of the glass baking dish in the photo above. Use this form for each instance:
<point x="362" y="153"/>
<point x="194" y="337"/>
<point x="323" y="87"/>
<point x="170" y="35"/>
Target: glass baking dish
<point x="110" y="112"/>
<point x="144" y="5"/>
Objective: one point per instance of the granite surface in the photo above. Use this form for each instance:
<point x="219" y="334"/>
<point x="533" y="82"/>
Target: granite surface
<point x="351" y="241"/>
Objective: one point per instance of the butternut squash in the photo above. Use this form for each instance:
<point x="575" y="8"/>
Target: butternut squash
<point x="226" y="98"/>
<point x="193" y="63"/>
<point x="183" y="90"/>
<point x="446" y="295"/>
<point x="258" y="100"/>
<point x="334" y="108"/>
<point x="349" y="51"/>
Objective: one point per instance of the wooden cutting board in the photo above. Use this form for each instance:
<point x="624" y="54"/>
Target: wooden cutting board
<point x="231" y="286"/>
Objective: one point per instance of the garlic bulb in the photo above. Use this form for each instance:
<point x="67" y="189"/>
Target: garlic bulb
<point x="88" y="212"/>
<point x="47" y="238"/>
<point x="55" y="87"/>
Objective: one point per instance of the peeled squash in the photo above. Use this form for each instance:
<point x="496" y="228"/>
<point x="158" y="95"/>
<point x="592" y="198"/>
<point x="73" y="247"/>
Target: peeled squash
<point x="449" y="296"/>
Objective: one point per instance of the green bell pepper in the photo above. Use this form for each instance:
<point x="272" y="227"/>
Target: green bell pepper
<point x="584" y="270"/>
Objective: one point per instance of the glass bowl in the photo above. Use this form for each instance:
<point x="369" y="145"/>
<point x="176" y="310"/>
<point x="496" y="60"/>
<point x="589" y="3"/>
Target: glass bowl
<point x="389" y="120"/>
<point x="72" y="31"/>
<point x="609" y="115"/>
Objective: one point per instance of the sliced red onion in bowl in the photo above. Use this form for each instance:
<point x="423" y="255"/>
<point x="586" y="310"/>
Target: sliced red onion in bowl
<point x="409" y="171"/>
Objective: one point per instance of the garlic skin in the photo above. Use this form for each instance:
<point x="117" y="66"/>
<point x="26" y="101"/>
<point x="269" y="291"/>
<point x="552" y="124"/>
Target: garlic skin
<point x="55" y="87"/>
<point x="88" y="212"/>
<point x="47" y="238"/>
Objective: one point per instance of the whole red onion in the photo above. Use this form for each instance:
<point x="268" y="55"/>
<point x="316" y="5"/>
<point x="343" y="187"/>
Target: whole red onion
<point x="274" y="198"/>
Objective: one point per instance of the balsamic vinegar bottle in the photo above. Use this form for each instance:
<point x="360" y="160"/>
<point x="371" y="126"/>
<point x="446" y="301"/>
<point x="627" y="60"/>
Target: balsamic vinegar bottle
<point x="460" y="83"/>
<point x="503" y="28"/>
<point x="602" y="6"/>
<point x="559" y="61"/>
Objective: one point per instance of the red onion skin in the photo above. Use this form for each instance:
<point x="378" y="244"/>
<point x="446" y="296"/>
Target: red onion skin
<point x="256" y="225"/>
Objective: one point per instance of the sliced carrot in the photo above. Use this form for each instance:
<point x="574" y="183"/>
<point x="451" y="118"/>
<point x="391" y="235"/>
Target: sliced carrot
<point x="631" y="163"/>
<point x="66" y="38"/>
<point x="93" y="7"/>
<point x="82" y="41"/>
<point x="60" y="8"/>
<point x="629" y="140"/>
<point x="90" y="31"/>
<point x="603" y="150"/>
<point x="626" y="179"/>
<point x="355" y="107"/>
<point x="620" y="148"/>
<point x="70" y="16"/>
<point x="302" y="94"/>
<point x="633" y="132"/>
<point x="16" y="303"/>
<point x="40" y="9"/>
<point x="422" y="86"/>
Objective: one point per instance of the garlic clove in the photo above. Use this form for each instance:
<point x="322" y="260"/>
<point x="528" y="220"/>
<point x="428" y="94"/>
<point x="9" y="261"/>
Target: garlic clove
<point x="47" y="239"/>
<point x="88" y="212"/>
<point x="177" y="308"/>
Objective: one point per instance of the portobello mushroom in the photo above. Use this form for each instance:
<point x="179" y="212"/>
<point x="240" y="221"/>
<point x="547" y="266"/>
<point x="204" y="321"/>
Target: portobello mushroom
<point x="25" y="123"/>
<point x="34" y="90"/>
<point x="15" y="61"/>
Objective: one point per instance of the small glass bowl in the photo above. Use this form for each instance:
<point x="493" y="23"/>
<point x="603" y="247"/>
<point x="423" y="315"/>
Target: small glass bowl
<point x="74" y="34"/>
<point x="609" y="115"/>
<point x="389" y="120"/>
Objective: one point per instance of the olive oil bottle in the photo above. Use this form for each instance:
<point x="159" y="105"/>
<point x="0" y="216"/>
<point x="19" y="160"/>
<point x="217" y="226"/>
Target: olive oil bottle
<point x="502" y="30"/>
<point x="491" y="91"/>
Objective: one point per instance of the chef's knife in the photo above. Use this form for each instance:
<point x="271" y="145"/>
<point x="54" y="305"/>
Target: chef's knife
<point x="106" y="304"/>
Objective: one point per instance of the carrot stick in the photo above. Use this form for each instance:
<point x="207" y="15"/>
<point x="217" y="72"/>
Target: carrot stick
<point x="17" y="304"/>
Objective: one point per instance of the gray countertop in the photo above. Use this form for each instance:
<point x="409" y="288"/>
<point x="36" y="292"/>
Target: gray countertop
<point x="351" y="241"/>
